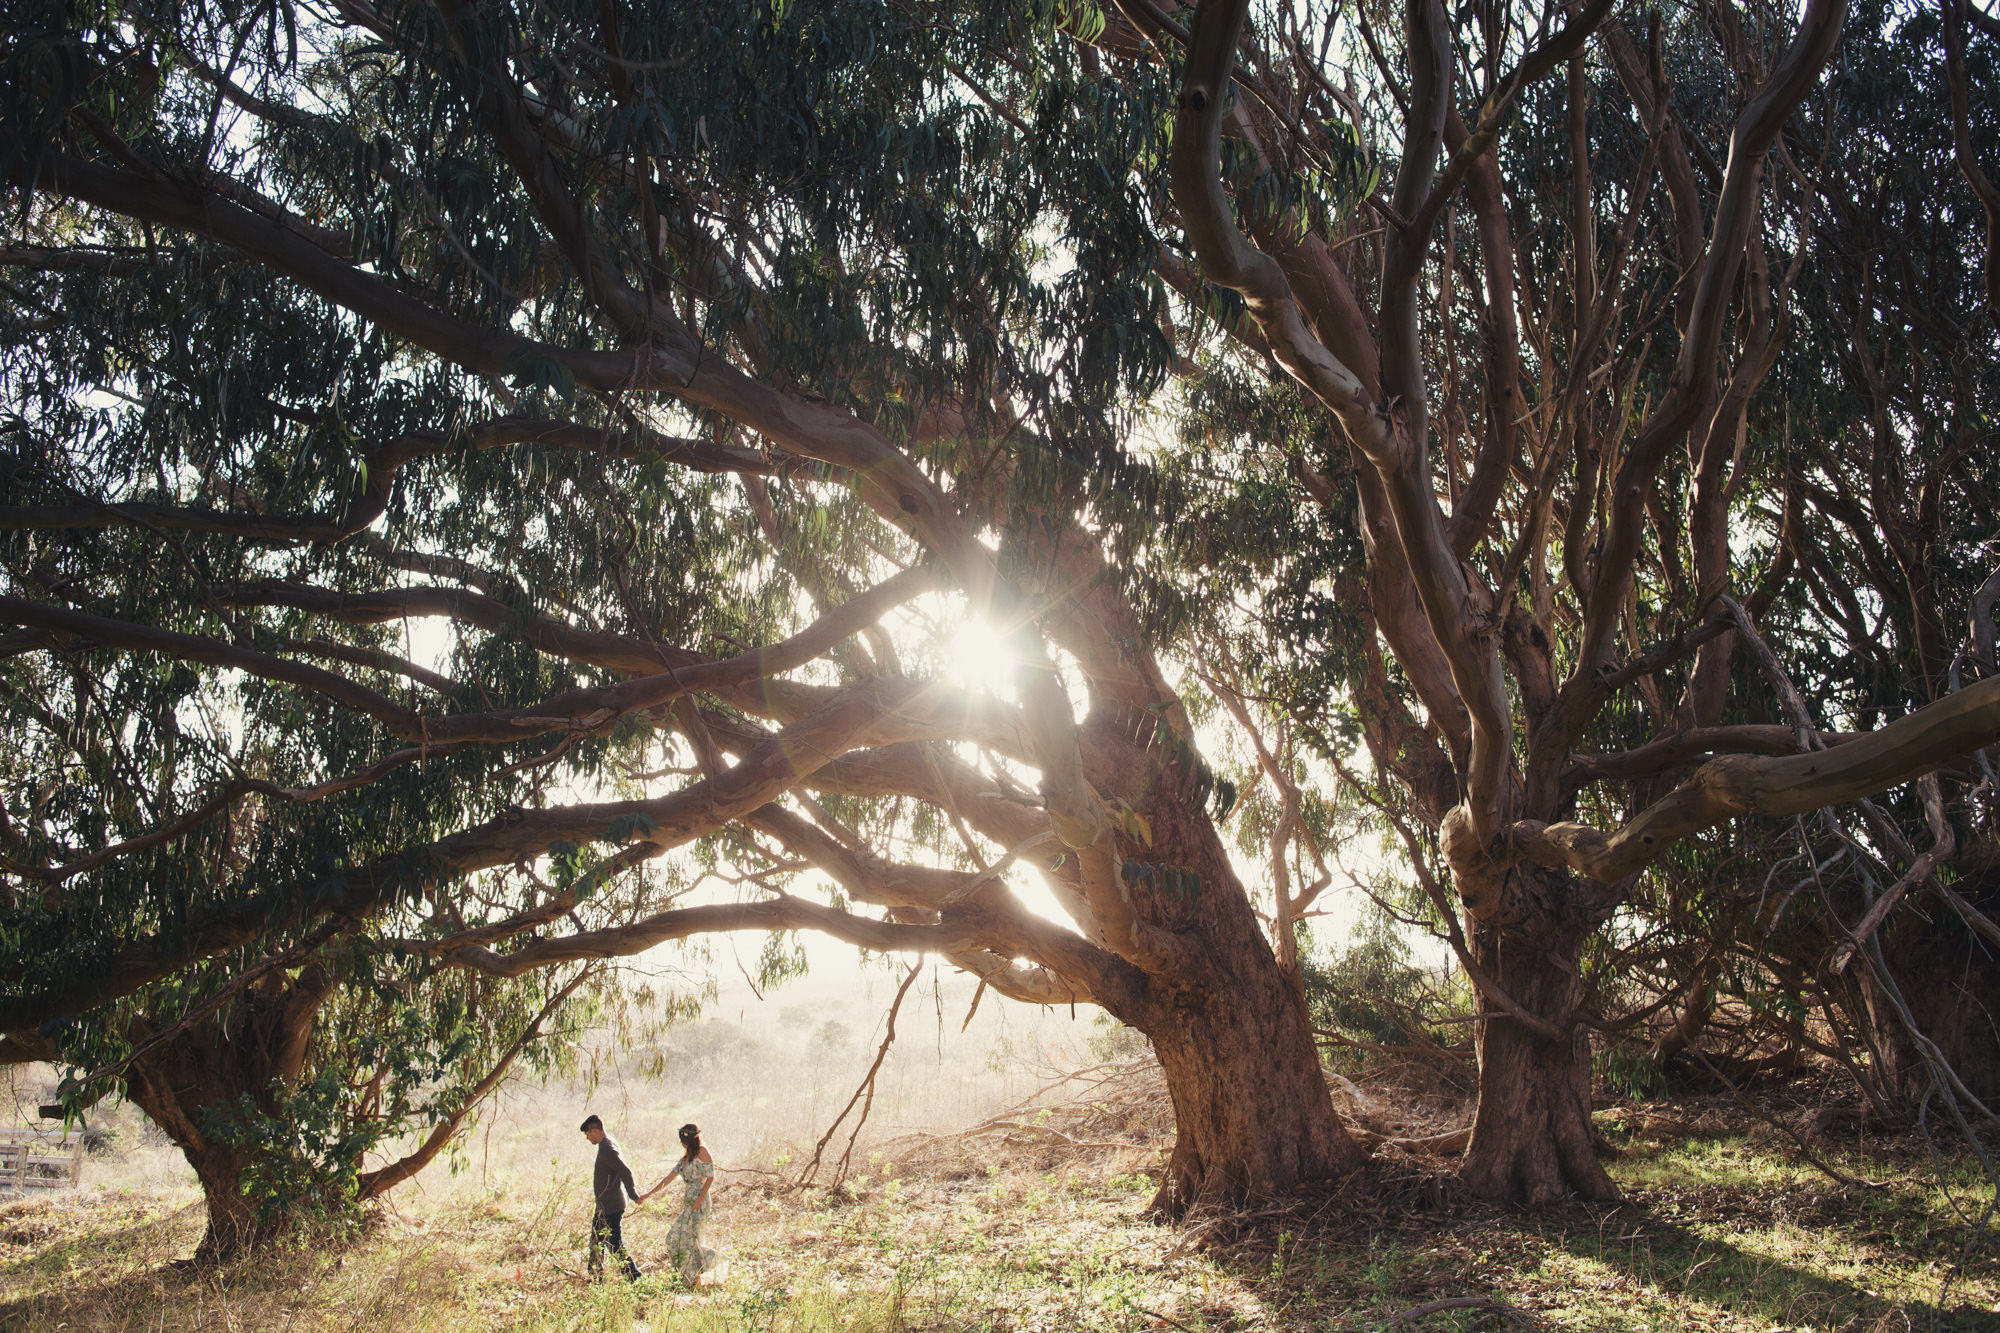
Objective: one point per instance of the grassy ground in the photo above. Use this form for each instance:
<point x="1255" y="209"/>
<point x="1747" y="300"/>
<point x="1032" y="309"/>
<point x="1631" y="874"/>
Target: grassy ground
<point x="1725" y="1231"/>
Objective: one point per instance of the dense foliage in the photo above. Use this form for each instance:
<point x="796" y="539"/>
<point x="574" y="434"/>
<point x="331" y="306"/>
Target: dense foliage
<point x="492" y="489"/>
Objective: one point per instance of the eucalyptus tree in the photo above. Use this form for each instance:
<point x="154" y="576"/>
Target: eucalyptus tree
<point x="697" y="369"/>
<point x="1546" y="347"/>
<point x="664" y="357"/>
<point x="1863" y="934"/>
<point x="1888" y="473"/>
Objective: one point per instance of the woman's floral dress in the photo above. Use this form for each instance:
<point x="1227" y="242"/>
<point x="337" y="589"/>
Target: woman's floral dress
<point x="684" y="1249"/>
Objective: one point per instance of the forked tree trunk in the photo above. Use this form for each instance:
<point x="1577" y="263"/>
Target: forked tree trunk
<point x="257" y="1045"/>
<point x="1531" y="1137"/>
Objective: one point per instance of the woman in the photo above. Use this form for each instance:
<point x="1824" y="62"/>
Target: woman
<point x="697" y="1172"/>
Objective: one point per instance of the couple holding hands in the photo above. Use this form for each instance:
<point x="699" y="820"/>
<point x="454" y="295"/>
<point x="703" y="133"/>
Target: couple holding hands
<point x="611" y="1181"/>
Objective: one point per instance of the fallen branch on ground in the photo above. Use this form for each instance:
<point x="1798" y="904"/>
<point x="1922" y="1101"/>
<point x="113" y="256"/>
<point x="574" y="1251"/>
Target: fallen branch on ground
<point x="1006" y="1124"/>
<point x="1440" y="1145"/>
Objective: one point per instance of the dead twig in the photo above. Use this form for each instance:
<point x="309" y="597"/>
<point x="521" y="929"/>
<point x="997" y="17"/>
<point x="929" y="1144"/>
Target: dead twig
<point x="1434" y="1145"/>
<point x="1004" y="1125"/>
<point x="1944" y="843"/>
<point x="867" y="1087"/>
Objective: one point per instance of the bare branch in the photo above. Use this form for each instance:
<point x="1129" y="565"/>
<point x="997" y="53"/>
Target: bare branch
<point x="373" y="1184"/>
<point x="1943" y="843"/>
<point x="1691" y="385"/>
<point x="867" y="1087"/>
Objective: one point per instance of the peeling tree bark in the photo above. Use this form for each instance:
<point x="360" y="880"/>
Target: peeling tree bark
<point x="1253" y="1117"/>
<point x="1253" y="1114"/>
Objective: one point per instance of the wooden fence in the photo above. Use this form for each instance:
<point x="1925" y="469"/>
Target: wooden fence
<point x="40" y="1159"/>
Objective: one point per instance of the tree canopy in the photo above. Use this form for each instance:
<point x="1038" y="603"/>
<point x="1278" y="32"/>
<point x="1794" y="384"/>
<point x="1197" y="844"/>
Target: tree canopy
<point x="476" y="476"/>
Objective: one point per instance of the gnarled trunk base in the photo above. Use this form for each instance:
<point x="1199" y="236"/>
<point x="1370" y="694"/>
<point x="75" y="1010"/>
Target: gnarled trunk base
<point x="1253" y="1116"/>
<point x="1252" y="1112"/>
<point x="251" y="1053"/>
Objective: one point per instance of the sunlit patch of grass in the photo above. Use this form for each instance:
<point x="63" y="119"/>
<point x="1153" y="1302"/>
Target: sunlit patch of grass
<point x="1749" y="1226"/>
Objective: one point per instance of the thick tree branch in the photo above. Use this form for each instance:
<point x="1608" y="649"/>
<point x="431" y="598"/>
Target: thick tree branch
<point x="786" y="913"/>
<point x="1741" y="784"/>
<point x="381" y="466"/>
<point x="1684" y="747"/>
<point x="853" y="719"/>
<point x="584" y="709"/>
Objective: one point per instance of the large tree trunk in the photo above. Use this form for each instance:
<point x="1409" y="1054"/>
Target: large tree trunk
<point x="1531" y="1138"/>
<point x="257" y="1046"/>
<point x="1252" y="1111"/>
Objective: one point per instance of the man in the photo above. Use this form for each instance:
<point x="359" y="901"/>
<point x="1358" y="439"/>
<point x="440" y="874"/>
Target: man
<point x="611" y="1181"/>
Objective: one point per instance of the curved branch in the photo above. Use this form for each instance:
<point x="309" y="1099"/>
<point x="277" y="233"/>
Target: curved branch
<point x="889" y="480"/>
<point x="1474" y="146"/>
<point x="1227" y="256"/>
<point x="787" y="913"/>
<point x="929" y="895"/>
<point x="105" y="632"/>
<point x="375" y="659"/>
<point x="1697" y="743"/>
<point x="864" y="876"/>
<point x="591" y="708"/>
<point x="1030" y="983"/>
<point x="1733" y="785"/>
<point x="373" y="1184"/>
<point x="1391" y="442"/>
<point x="1691" y="385"/>
<point x="229" y="795"/>
<point x="855" y="718"/>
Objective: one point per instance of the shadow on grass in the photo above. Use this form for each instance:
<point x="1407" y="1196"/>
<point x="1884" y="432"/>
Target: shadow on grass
<point x="137" y="1276"/>
<point x="146" y="1235"/>
<point x="1739" y="1274"/>
<point x="137" y="1262"/>
<point x="1817" y="1260"/>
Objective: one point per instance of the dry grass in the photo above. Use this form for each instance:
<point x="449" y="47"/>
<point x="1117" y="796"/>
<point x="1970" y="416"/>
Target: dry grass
<point x="968" y="1213"/>
<point x="1014" y="1233"/>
